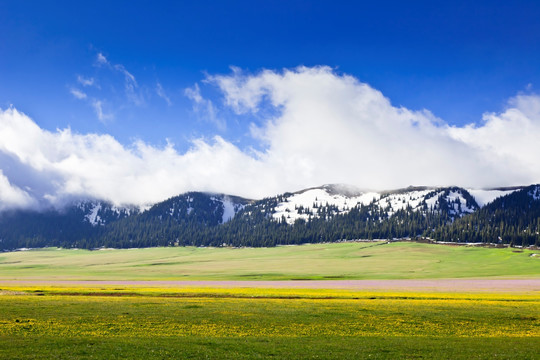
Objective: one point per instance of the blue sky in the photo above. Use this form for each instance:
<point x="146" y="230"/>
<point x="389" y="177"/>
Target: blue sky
<point x="152" y="71"/>
<point x="457" y="59"/>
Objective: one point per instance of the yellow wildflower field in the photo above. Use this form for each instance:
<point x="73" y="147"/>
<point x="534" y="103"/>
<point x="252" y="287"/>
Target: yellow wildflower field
<point x="243" y="318"/>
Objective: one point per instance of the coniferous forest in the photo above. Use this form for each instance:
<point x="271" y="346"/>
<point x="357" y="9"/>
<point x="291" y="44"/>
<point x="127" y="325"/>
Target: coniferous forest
<point x="195" y="219"/>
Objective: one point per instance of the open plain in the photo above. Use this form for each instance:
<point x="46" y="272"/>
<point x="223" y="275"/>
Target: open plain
<point x="379" y="301"/>
<point x="339" y="261"/>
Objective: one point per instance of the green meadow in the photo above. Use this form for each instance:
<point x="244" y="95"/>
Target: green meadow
<point x="49" y="320"/>
<point x="352" y="260"/>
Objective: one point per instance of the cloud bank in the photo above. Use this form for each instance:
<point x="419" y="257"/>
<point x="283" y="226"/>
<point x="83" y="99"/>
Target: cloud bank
<point x="326" y="128"/>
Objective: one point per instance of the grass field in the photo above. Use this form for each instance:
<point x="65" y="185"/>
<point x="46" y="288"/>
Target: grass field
<point x="69" y="323"/>
<point x="399" y="260"/>
<point x="48" y="319"/>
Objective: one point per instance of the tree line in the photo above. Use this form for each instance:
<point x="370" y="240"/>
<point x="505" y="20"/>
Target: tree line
<point x="514" y="219"/>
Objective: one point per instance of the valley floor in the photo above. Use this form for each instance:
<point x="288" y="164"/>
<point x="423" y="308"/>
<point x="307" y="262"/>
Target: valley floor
<point x="337" y="261"/>
<point x="327" y="301"/>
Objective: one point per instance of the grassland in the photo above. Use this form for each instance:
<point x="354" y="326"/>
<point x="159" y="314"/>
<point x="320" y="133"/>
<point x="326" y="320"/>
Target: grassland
<point x="401" y="260"/>
<point x="82" y="323"/>
<point x="48" y="319"/>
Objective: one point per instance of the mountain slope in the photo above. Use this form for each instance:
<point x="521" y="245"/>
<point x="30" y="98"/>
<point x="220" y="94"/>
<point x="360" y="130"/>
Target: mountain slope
<point x="332" y="200"/>
<point x="322" y="214"/>
<point x="61" y="227"/>
<point x="207" y="209"/>
<point x="100" y="213"/>
<point x="511" y="219"/>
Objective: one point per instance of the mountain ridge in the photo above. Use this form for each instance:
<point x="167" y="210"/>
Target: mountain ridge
<point x="330" y="212"/>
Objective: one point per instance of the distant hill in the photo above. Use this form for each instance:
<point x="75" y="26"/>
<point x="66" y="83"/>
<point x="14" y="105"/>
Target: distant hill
<point x="327" y="213"/>
<point x="512" y="219"/>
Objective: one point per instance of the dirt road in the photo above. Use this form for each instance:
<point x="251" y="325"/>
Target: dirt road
<point x="437" y="285"/>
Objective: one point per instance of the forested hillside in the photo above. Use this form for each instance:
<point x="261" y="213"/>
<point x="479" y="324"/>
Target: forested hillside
<point x="513" y="219"/>
<point x="326" y="214"/>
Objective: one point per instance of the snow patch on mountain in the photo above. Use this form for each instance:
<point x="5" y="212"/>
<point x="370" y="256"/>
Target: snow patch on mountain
<point x="431" y="199"/>
<point x="459" y="205"/>
<point x="535" y="193"/>
<point x="93" y="217"/>
<point x="230" y="206"/>
<point x="427" y="199"/>
<point x="303" y="205"/>
<point x="189" y="200"/>
<point x="228" y="210"/>
<point x="401" y="200"/>
<point x="308" y="203"/>
<point x="101" y="213"/>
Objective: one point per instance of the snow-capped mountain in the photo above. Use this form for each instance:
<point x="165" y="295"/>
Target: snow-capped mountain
<point x="512" y="219"/>
<point x="325" y="213"/>
<point x="306" y="204"/>
<point x="454" y="200"/>
<point x="340" y="199"/>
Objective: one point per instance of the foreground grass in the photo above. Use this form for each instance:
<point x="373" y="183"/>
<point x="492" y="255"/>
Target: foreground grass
<point x="81" y="323"/>
<point x="402" y="260"/>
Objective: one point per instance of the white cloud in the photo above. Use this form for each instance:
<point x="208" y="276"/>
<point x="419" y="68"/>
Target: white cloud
<point x="194" y="93"/>
<point x="161" y="93"/>
<point x="11" y="197"/>
<point x="130" y="82"/>
<point x="204" y="108"/>
<point x="329" y="128"/>
<point x="510" y="139"/>
<point x="130" y="86"/>
<point x="78" y="93"/>
<point x="98" y="108"/>
<point x="333" y="128"/>
<point x="85" y="81"/>
<point x="98" y="166"/>
<point x="101" y="59"/>
<point x="131" y="91"/>
<point x="130" y="79"/>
